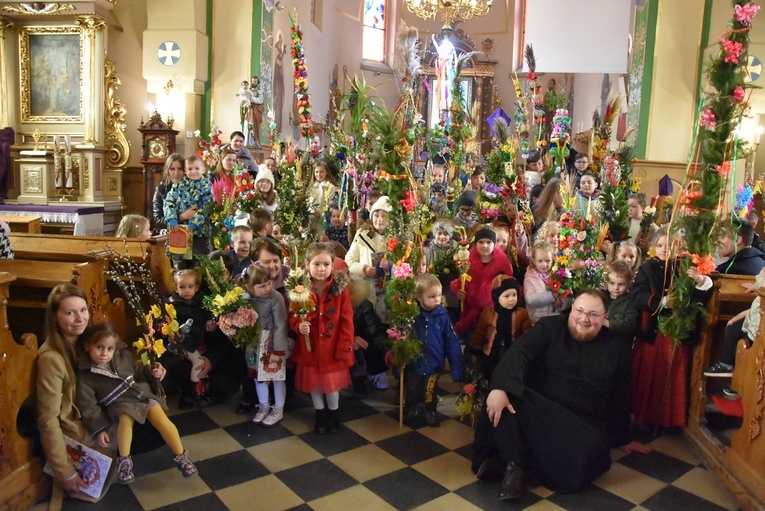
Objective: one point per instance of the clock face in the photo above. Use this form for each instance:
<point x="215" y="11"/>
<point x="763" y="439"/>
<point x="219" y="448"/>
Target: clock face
<point x="157" y="148"/>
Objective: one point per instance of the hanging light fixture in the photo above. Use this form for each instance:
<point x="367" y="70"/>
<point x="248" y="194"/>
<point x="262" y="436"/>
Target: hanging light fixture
<point x="450" y="10"/>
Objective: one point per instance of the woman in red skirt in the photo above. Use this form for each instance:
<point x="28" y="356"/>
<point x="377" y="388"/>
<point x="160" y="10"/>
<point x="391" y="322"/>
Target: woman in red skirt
<point x="659" y="365"/>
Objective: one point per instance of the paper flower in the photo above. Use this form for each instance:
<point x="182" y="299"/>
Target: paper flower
<point x="708" y="119"/>
<point x="402" y="271"/>
<point x="732" y="49"/>
<point x="705" y="265"/>
<point x="738" y="94"/>
<point x="745" y="13"/>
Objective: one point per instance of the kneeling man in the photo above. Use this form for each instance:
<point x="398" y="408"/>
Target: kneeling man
<point x="560" y="399"/>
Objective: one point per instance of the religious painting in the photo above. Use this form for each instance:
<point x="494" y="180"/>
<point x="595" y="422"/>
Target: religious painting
<point x="51" y="74"/>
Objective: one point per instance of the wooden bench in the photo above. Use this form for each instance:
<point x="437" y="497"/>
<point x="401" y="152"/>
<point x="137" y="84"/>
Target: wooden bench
<point x="740" y="465"/>
<point x="51" y="247"/>
<point x="21" y="477"/>
<point x="28" y="224"/>
<point x="35" y="279"/>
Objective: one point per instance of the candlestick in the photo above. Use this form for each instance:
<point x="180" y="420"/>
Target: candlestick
<point x="55" y="144"/>
<point x="68" y="143"/>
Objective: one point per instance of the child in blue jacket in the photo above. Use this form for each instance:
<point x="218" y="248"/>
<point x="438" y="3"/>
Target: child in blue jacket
<point x="185" y="205"/>
<point x="439" y="342"/>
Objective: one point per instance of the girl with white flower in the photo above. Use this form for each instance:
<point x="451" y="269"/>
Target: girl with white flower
<point x="268" y="360"/>
<point x="323" y="359"/>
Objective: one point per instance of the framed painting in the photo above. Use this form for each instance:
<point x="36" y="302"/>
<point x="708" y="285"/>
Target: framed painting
<point x="51" y="74"/>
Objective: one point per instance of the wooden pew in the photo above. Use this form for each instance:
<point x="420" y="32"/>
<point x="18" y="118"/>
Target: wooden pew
<point x="741" y="465"/>
<point x="52" y="247"/>
<point x="21" y="477"/>
<point x="35" y="279"/>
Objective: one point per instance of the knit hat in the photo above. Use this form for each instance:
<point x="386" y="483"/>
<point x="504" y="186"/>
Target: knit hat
<point x="502" y="283"/>
<point x="382" y="204"/>
<point x="466" y="199"/>
<point x="265" y="173"/>
<point x="485" y="234"/>
<point x="440" y="225"/>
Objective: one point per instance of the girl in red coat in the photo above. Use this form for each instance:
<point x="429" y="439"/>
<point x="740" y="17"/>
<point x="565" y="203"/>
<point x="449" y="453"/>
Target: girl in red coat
<point x="486" y="262"/>
<point x="323" y="371"/>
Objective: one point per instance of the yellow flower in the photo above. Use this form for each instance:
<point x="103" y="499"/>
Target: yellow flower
<point x="139" y="345"/>
<point x="169" y="329"/>
<point x="562" y="261"/>
<point x="170" y="309"/>
<point x="148" y="318"/>
<point x="159" y="347"/>
<point x="219" y="301"/>
<point x="155" y="311"/>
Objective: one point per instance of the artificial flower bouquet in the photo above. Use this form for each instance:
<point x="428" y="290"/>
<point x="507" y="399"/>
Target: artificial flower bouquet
<point x="210" y="151"/>
<point x="221" y="211"/>
<point x="471" y="398"/>
<point x="236" y="318"/>
<point x="576" y="262"/>
<point x="298" y="286"/>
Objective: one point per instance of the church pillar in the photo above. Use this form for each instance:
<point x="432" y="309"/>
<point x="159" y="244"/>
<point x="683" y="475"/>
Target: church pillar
<point x="92" y="28"/>
<point x="668" y="39"/>
<point x="6" y="95"/>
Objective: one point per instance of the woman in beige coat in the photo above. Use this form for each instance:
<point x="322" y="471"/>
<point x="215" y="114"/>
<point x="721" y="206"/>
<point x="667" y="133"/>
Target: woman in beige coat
<point x="66" y="317"/>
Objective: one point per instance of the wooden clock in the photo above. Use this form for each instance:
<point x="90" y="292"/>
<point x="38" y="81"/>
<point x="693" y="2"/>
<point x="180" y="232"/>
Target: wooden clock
<point x="157" y="143"/>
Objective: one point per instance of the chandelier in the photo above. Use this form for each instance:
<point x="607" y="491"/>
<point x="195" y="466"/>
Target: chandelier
<point x="451" y="10"/>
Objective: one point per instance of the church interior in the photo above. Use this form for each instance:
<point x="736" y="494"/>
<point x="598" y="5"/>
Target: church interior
<point x="138" y="80"/>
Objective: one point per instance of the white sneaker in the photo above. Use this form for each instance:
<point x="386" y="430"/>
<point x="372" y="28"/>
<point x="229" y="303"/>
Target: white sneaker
<point x="380" y="381"/>
<point x="261" y="414"/>
<point x="276" y="414"/>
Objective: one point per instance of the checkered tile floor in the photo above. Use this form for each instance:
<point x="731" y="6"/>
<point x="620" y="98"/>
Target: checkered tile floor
<point x="372" y="464"/>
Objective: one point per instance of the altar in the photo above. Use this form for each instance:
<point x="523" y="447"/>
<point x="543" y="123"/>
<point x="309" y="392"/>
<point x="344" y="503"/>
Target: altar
<point x="85" y="220"/>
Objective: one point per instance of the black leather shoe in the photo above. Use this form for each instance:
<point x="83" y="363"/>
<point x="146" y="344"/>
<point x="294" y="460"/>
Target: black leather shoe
<point x="431" y="419"/>
<point x="320" y="426"/>
<point x="333" y="424"/>
<point x="491" y="469"/>
<point x="513" y="483"/>
<point x="245" y="408"/>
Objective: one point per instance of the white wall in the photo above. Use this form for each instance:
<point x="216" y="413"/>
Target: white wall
<point x="582" y="36"/>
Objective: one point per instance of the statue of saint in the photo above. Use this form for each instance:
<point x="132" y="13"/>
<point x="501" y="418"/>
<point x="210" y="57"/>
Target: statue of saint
<point x="256" y="111"/>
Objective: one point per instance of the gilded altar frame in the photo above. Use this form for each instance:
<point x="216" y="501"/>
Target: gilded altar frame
<point x="49" y="59"/>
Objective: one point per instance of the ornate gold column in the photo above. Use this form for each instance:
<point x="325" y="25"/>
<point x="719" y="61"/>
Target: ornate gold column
<point x="93" y="114"/>
<point x="6" y="27"/>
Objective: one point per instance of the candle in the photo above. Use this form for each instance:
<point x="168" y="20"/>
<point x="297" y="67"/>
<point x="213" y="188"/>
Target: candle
<point x="55" y="143"/>
<point x="68" y="143"/>
<point x="68" y="171"/>
<point x="57" y="169"/>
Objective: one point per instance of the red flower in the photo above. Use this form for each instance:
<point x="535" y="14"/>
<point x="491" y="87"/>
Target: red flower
<point x="469" y="389"/>
<point x="408" y="201"/>
<point x="392" y="244"/>
<point x="554" y="285"/>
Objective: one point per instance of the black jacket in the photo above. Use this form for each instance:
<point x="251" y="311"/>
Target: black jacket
<point x="747" y="261"/>
<point x="159" y="203"/>
<point x="367" y="325"/>
<point x="195" y="311"/>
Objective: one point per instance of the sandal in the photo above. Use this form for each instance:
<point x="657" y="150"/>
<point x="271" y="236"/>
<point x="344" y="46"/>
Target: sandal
<point x="185" y="465"/>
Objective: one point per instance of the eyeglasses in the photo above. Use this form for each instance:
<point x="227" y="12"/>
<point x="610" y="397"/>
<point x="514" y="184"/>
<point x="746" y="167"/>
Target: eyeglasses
<point x="590" y="315"/>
